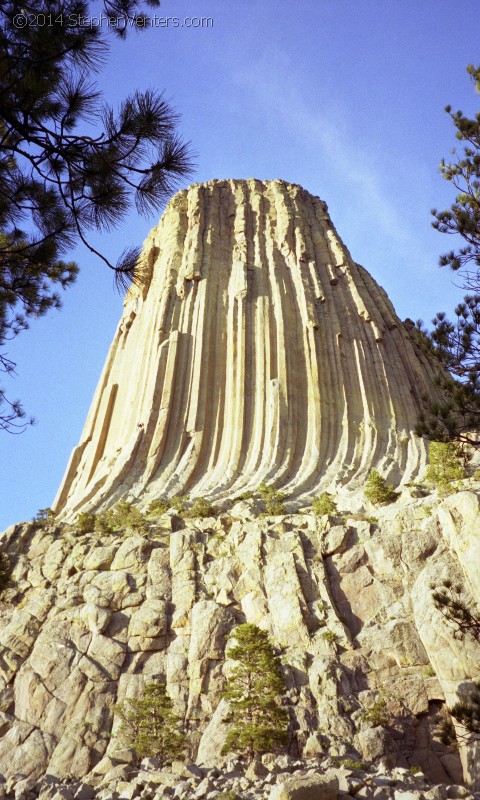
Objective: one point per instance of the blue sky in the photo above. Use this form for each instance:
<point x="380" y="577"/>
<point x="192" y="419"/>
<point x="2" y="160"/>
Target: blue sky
<point x="345" y="97"/>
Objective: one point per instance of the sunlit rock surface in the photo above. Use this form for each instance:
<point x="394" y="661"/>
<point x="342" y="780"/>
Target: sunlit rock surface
<point x="253" y="350"/>
<point x="91" y="618"/>
<point x="256" y="350"/>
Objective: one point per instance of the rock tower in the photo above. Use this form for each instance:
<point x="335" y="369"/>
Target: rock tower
<point x="254" y="349"/>
<point x="251" y="349"/>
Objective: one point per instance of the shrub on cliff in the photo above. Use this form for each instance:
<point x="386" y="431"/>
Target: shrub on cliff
<point x="157" y="507"/>
<point x="104" y="522"/>
<point x="325" y="504"/>
<point x="200" y="509"/>
<point x="86" y="522"/>
<point x="126" y="515"/>
<point x="178" y="503"/>
<point x="122" y="515"/>
<point x="5" y="571"/>
<point x="378" y="491"/>
<point x="376" y="714"/>
<point x="149" y="725"/>
<point x="43" y="517"/>
<point x="273" y="498"/>
<point x="253" y="690"/>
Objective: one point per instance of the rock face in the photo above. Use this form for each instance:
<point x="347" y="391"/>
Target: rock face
<point x="368" y="659"/>
<point x="255" y="350"/>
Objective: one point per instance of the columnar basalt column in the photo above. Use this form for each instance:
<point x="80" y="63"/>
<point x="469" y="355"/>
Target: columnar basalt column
<point x="254" y="350"/>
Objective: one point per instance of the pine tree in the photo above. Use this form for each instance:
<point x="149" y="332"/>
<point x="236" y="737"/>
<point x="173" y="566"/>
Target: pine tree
<point x="325" y="504"/>
<point x="466" y="622"/>
<point x="86" y="522"/>
<point x="150" y="726"/>
<point x="467" y="711"/>
<point x="456" y="344"/>
<point x="68" y="163"/>
<point x="448" y="598"/>
<point x="200" y="509"/>
<point x="445" y="466"/>
<point x="378" y="491"/>
<point x="254" y="688"/>
<point x="463" y="217"/>
<point x="122" y="515"/>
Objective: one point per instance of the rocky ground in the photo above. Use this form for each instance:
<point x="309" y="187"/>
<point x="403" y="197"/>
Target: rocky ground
<point x="274" y="777"/>
<point x="369" y="662"/>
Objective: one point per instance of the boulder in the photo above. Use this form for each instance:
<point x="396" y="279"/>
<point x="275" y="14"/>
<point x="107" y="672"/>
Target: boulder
<point x="306" y="787"/>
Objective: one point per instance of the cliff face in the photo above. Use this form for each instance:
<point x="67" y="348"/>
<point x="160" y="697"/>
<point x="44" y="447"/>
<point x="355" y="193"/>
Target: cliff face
<point x="368" y="659"/>
<point x="255" y="350"/>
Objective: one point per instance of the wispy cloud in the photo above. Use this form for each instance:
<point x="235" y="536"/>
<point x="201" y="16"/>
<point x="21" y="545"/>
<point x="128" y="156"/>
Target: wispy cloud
<point x="324" y="126"/>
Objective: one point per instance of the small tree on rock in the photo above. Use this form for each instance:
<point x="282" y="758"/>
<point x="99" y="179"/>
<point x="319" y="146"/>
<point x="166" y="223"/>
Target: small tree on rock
<point x="5" y="571"/>
<point x="325" y="504"/>
<point x="122" y="515"/>
<point x="274" y="500"/>
<point x="150" y="726"/>
<point x="446" y="466"/>
<point x="254" y="687"/>
<point x="86" y="522"/>
<point x="378" y="491"/>
<point x="43" y="517"/>
<point x="201" y="509"/>
<point x="157" y="507"/>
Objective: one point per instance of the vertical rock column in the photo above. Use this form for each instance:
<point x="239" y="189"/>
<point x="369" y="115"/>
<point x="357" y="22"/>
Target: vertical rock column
<point x="254" y="350"/>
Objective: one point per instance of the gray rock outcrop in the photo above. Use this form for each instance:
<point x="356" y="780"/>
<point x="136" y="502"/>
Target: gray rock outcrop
<point x="367" y="657"/>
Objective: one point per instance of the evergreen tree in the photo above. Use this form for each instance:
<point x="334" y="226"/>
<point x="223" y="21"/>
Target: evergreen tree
<point x="157" y="508"/>
<point x="456" y="344"/>
<point x="273" y="498"/>
<point x="86" y="522"/>
<point x="467" y="711"/>
<point x="122" y="515"/>
<point x="5" y="570"/>
<point x="378" y="491"/>
<point x="448" y="599"/>
<point x="200" y="509"/>
<point x="254" y="688"/>
<point x="445" y="466"/>
<point x="68" y="163"/>
<point x="325" y="504"/>
<point x="463" y="217"/>
<point x="150" y="726"/>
